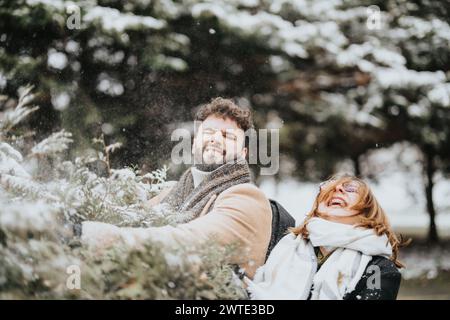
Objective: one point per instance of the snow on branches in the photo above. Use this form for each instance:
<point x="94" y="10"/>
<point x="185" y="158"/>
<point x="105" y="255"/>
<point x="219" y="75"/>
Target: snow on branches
<point x="40" y="227"/>
<point x="56" y="143"/>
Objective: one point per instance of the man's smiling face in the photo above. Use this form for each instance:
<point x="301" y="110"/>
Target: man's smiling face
<point x="218" y="141"/>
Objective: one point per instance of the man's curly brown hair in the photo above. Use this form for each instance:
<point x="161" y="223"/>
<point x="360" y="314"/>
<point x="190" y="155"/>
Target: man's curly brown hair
<point x="226" y="108"/>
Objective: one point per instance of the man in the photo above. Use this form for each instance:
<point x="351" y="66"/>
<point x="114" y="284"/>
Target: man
<point x="215" y="195"/>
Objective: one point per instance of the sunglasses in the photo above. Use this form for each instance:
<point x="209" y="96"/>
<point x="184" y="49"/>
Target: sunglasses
<point x="350" y="186"/>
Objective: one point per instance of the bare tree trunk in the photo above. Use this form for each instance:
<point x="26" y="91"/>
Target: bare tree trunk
<point x="429" y="184"/>
<point x="356" y="165"/>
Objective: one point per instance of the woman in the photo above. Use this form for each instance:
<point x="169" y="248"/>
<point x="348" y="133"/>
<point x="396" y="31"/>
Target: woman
<point x="344" y="249"/>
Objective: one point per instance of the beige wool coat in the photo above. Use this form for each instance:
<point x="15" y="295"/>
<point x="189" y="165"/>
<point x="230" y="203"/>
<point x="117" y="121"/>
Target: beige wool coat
<point x="240" y="215"/>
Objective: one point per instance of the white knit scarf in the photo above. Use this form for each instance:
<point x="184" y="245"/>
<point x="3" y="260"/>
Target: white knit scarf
<point x="291" y="269"/>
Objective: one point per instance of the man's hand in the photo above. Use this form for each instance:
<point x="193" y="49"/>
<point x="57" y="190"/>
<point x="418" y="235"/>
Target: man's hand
<point x="99" y="236"/>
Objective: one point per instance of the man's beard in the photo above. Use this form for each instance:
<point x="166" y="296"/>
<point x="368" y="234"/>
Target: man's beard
<point x="209" y="167"/>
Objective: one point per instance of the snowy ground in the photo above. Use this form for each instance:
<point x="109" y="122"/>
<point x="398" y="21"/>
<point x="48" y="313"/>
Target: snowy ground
<point x="427" y="272"/>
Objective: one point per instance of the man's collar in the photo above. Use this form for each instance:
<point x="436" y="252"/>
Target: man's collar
<point x="198" y="176"/>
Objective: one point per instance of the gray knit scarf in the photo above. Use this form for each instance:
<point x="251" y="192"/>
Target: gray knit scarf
<point x="190" y="201"/>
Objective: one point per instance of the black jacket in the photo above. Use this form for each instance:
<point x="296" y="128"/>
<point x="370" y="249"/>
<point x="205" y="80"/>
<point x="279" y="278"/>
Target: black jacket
<point x="390" y="279"/>
<point x="366" y="288"/>
<point x="281" y="222"/>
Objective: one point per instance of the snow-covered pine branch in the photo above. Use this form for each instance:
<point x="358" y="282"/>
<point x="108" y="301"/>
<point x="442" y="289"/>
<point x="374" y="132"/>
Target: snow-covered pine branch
<point x="36" y="267"/>
<point x="113" y="147"/>
<point x="57" y="142"/>
<point x="157" y="176"/>
<point x="12" y="117"/>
